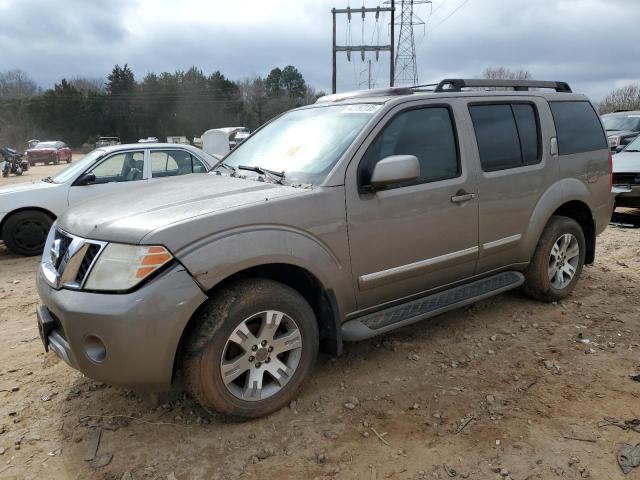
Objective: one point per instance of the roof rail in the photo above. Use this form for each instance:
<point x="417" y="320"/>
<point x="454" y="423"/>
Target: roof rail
<point x="377" y="92"/>
<point x="457" y="84"/>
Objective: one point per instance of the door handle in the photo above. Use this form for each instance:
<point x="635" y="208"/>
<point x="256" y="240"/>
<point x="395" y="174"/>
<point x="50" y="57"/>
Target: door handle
<point x="462" y="197"/>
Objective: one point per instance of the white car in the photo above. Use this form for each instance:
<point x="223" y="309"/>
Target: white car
<point x="27" y="210"/>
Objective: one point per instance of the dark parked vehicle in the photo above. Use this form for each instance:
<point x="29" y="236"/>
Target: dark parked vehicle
<point x="626" y="175"/>
<point x="49" y="152"/>
<point x="337" y="221"/>
<point x="12" y="162"/>
<point x="622" y="128"/>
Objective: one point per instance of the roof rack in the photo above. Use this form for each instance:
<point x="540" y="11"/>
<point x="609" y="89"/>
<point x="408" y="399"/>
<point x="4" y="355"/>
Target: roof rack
<point x="457" y="84"/>
<point x="447" y="86"/>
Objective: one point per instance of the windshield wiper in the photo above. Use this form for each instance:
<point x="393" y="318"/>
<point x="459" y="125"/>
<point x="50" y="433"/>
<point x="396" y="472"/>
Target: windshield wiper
<point x="228" y="167"/>
<point x="48" y="179"/>
<point x="264" y="171"/>
<point x="627" y="150"/>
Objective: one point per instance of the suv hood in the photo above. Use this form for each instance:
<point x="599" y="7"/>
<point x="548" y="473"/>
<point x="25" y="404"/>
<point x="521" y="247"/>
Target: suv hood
<point x="621" y="133"/>
<point x="129" y="217"/>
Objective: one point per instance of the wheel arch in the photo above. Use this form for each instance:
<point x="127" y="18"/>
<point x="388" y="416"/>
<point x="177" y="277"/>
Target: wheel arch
<point x="24" y="209"/>
<point x="321" y="299"/>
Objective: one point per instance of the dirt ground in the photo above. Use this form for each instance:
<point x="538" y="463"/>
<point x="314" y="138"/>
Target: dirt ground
<point x="461" y="396"/>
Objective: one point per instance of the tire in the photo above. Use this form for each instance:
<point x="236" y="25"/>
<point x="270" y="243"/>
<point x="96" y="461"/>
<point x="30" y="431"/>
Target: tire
<point x="56" y="160"/>
<point x="247" y="304"/>
<point x="548" y="276"/>
<point x="25" y="232"/>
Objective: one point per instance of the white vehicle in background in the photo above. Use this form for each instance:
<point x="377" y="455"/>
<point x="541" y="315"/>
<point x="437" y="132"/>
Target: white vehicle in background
<point x="107" y="141"/>
<point x="241" y="135"/>
<point x="27" y="210"/>
<point x="180" y="139"/>
<point x="148" y="140"/>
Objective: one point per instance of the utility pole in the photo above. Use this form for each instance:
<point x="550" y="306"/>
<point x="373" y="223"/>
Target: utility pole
<point x="362" y="48"/>
<point x="405" y="61"/>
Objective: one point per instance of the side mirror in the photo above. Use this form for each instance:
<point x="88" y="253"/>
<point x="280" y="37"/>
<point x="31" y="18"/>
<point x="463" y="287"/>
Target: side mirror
<point x="395" y="169"/>
<point x="85" y="179"/>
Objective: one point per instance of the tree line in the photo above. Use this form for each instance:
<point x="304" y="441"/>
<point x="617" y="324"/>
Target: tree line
<point x="78" y="110"/>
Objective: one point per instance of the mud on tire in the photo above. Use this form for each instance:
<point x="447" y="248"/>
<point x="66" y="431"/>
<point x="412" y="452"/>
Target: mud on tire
<point x="237" y="362"/>
<point x="557" y="261"/>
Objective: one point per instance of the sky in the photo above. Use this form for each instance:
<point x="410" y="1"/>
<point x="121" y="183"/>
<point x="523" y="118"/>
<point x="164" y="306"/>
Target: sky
<point x="593" y="45"/>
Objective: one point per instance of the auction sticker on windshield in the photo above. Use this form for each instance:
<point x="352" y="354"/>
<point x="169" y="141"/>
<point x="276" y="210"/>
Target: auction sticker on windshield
<point x="361" y="108"/>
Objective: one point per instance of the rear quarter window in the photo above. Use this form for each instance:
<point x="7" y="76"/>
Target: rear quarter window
<point x="578" y="127"/>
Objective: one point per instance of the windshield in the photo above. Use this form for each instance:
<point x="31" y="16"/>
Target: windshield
<point x="304" y="144"/>
<point x="622" y="123"/>
<point x="73" y="169"/>
<point x="635" y="145"/>
<point x="45" y="145"/>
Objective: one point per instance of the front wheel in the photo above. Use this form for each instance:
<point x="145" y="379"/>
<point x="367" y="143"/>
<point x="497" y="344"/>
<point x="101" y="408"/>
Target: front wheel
<point x="25" y="232"/>
<point x="557" y="262"/>
<point x="254" y="344"/>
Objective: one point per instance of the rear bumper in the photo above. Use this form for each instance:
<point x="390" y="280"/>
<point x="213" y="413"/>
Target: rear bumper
<point x="129" y="339"/>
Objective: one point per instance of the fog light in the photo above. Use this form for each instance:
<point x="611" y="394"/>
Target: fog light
<point x="94" y="349"/>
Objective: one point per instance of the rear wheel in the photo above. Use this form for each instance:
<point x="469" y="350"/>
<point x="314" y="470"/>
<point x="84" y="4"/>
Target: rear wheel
<point x="255" y="343"/>
<point x="557" y="262"/>
<point x="25" y="232"/>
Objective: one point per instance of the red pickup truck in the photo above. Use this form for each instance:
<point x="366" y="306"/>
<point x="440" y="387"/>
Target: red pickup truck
<point x="49" y="152"/>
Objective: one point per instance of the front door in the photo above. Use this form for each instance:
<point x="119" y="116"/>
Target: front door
<point x="417" y="236"/>
<point x="116" y="173"/>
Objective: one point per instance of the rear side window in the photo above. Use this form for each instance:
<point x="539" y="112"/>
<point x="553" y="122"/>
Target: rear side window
<point x="578" y="127"/>
<point x="507" y="135"/>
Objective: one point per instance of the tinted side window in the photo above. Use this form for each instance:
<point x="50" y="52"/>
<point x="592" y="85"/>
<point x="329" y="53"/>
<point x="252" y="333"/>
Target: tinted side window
<point x="427" y="133"/>
<point x="497" y="136"/>
<point x="578" y="127"/>
<point x="528" y="131"/>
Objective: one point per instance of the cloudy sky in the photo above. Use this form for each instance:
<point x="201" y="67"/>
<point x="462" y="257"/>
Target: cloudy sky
<point x="593" y="44"/>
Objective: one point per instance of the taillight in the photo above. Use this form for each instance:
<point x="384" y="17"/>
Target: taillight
<point x="610" y="172"/>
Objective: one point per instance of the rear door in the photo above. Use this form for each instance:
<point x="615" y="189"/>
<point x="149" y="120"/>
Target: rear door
<point x="115" y="173"/>
<point x="513" y="147"/>
<point x="416" y="236"/>
<point x="173" y="162"/>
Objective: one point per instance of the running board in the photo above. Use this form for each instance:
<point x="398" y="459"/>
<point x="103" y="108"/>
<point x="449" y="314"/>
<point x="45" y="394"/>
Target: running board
<point x="429" y="306"/>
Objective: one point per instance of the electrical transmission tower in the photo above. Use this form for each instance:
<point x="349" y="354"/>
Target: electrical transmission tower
<point x="406" y="68"/>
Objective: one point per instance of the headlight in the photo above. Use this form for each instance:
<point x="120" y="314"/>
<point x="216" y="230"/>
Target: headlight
<point x="614" y="141"/>
<point x="121" y="267"/>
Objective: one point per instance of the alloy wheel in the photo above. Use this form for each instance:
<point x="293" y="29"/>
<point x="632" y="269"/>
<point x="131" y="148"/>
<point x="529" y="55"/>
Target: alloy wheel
<point x="261" y="355"/>
<point x="563" y="261"/>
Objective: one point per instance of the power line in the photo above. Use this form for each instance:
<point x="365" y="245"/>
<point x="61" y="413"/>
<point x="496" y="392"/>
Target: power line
<point x="448" y="16"/>
<point x="362" y="48"/>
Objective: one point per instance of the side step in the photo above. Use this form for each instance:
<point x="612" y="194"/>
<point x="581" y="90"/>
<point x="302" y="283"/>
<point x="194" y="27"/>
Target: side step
<point x="407" y="313"/>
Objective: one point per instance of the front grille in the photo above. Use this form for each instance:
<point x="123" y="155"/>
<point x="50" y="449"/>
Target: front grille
<point x="67" y="259"/>
<point x="87" y="261"/>
<point x="65" y="241"/>
<point x="626" y="178"/>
